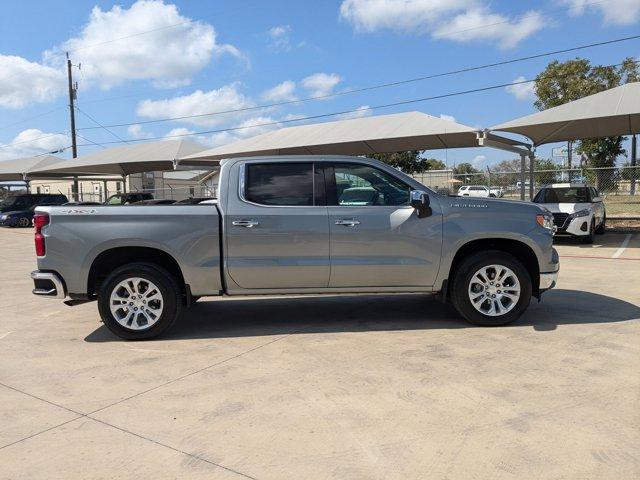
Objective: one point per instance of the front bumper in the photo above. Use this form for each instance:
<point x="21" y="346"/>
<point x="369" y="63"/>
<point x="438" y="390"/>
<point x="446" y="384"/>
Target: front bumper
<point x="48" y="284"/>
<point x="548" y="280"/>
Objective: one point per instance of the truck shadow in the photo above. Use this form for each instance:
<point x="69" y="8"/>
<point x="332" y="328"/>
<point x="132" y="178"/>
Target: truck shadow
<point x="255" y="316"/>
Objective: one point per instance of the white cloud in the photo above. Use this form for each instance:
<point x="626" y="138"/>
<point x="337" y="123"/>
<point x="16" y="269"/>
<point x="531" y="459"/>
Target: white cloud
<point x="522" y="91"/>
<point x="321" y="84"/>
<point x="156" y="43"/>
<point x="178" y="132"/>
<point x="362" y="111"/>
<point x="136" y="131"/>
<point x="457" y="20"/>
<point x="23" y="82"/>
<point x="33" y="142"/>
<point x="284" y="91"/>
<point x="479" y="160"/>
<point x="481" y="24"/>
<point x="449" y="118"/>
<point x="279" y="40"/>
<point x="246" y="129"/>
<point x="613" y="12"/>
<point x="198" y="103"/>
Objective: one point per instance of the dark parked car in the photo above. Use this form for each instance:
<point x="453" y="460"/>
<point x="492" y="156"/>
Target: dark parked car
<point x="18" y="210"/>
<point x="193" y="200"/>
<point x="156" y="201"/>
<point x="128" y="198"/>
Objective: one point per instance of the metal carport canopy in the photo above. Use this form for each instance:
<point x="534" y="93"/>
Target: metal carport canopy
<point x="613" y="112"/>
<point x="20" y="168"/>
<point x="124" y="160"/>
<point x="359" y="136"/>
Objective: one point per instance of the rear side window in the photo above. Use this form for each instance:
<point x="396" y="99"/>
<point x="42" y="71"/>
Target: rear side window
<point x="284" y="184"/>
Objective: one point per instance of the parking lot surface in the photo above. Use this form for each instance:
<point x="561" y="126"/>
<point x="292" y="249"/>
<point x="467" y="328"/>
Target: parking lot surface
<point x="375" y="386"/>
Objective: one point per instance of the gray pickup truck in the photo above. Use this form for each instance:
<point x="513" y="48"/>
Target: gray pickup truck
<point x="296" y="225"/>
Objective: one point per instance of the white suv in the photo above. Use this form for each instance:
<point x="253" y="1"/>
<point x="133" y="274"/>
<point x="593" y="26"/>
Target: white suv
<point x="577" y="209"/>
<point x="475" y="191"/>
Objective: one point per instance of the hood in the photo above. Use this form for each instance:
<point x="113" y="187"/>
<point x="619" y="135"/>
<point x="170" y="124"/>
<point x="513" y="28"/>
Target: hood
<point x="489" y="204"/>
<point x="565" y="207"/>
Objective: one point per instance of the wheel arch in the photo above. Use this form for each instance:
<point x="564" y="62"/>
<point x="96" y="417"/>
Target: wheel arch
<point x="518" y="249"/>
<point x="110" y="259"/>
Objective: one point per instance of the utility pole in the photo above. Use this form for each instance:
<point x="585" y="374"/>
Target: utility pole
<point x="73" y="88"/>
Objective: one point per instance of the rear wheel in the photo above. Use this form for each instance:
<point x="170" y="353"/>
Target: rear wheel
<point x="139" y="301"/>
<point x="491" y="288"/>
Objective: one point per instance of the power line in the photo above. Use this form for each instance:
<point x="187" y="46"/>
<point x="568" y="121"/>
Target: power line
<point x="48" y="135"/>
<point x="375" y="87"/>
<point x="345" y="112"/>
<point x="325" y="115"/>
<point x="99" y="124"/>
<point x="91" y="141"/>
<point x="30" y="118"/>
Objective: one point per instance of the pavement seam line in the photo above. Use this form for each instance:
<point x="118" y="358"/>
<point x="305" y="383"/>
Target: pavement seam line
<point x="87" y="415"/>
<point x="197" y="457"/>
<point x="195" y="372"/>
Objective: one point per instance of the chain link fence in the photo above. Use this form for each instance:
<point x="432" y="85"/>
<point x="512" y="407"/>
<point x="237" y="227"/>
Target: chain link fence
<point x="168" y="193"/>
<point x="620" y="186"/>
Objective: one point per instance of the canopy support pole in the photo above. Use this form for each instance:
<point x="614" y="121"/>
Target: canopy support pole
<point x="532" y="162"/>
<point x="485" y="139"/>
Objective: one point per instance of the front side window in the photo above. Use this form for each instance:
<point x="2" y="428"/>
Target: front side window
<point x="362" y="185"/>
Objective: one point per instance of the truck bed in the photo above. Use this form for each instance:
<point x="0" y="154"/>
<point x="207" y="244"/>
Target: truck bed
<point x="189" y="233"/>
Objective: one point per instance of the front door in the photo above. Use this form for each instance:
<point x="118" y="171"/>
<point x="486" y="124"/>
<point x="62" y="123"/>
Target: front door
<point x="277" y="227"/>
<point x="377" y="239"/>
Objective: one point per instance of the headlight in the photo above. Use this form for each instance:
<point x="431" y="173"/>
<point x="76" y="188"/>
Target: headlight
<point x="3" y="218"/>
<point x="546" y="221"/>
<point x="581" y="213"/>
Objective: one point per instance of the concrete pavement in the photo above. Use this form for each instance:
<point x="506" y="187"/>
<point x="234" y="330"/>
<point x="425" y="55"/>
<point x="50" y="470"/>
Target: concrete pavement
<point x="373" y="386"/>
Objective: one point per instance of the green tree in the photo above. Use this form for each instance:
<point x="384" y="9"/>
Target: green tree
<point x="465" y="169"/>
<point x="435" y="164"/>
<point x="602" y="154"/>
<point x="410" y="161"/>
<point x="563" y="82"/>
<point x="545" y="171"/>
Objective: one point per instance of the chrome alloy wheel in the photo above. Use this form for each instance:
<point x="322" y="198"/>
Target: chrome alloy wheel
<point x="136" y="303"/>
<point x="494" y="290"/>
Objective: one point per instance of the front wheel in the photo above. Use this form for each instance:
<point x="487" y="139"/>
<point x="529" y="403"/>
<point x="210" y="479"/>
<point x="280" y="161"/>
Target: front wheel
<point x="590" y="237"/>
<point x="139" y="301"/>
<point x="603" y="226"/>
<point x="491" y="288"/>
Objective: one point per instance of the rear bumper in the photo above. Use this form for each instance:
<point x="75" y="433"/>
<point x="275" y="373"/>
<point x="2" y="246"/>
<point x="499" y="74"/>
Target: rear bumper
<point x="48" y="284"/>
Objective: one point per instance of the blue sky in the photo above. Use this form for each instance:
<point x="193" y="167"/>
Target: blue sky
<point x="151" y="60"/>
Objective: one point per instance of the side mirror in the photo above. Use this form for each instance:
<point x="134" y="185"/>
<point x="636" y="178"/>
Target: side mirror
<point x="420" y="201"/>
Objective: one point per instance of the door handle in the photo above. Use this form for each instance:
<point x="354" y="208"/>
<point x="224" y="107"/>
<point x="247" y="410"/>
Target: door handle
<point x="347" y="222"/>
<point x="245" y="223"/>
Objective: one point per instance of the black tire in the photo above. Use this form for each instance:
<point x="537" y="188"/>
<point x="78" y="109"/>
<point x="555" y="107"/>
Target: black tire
<point x="167" y="286"/>
<point x="23" y="222"/>
<point x="601" y="228"/>
<point x="590" y="237"/>
<point x="462" y="279"/>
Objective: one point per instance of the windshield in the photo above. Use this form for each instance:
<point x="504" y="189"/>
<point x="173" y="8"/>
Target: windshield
<point x="16" y="201"/>
<point x="563" y="195"/>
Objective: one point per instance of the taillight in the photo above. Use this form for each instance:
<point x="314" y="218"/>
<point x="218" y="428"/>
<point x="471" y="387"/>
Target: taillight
<point x="40" y="220"/>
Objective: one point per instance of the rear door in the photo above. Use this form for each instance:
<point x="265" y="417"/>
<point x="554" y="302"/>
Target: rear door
<point x="377" y="239"/>
<point x="276" y="226"/>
